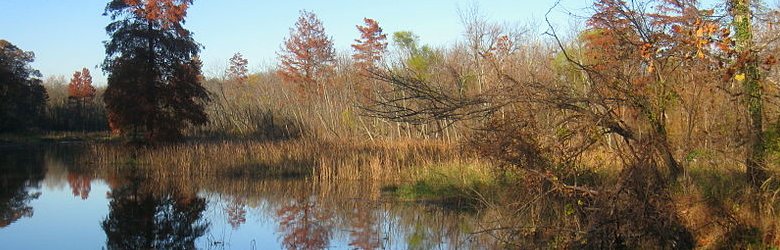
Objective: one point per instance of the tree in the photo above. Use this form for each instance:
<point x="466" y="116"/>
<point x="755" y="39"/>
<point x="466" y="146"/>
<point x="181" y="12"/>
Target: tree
<point x="418" y="59"/>
<point x="22" y="97"/>
<point x="748" y="69"/>
<point x="80" y="86"/>
<point x="81" y="91"/>
<point x="371" y="45"/>
<point x="632" y="66"/>
<point x="237" y="71"/>
<point x="154" y="83"/>
<point x="308" y="55"/>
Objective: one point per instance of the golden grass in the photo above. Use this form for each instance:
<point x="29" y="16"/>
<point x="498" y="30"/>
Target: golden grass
<point x="333" y="160"/>
<point x="713" y="198"/>
<point x="723" y="211"/>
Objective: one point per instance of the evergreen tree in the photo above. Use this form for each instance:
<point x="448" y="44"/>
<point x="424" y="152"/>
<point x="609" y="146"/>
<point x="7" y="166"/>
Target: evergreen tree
<point x="154" y="83"/>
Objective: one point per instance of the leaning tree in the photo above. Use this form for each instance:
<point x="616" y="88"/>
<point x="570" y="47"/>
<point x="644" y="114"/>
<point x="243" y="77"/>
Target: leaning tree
<point x="154" y="83"/>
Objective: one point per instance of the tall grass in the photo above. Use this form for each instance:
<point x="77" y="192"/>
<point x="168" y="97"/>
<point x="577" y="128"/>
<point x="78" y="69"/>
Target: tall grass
<point x="725" y="211"/>
<point x="324" y="160"/>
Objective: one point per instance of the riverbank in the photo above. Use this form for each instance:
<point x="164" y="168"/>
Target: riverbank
<point x="713" y="200"/>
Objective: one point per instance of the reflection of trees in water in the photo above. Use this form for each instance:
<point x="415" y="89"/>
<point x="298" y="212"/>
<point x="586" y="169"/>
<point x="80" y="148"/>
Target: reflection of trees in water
<point x="61" y="169"/>
<point x="236" y="212"/>
<point x="350" y="213"/>
<point x="141" y="219"/>
<point x="429" y="227"/>
<point x="20" y="170"/>
<point x="80" y="184"/>
<point x="14" y="204"/>
<point x="304" y="224"/>
<point x="364" y="232"/>
<point x="345" y="212"/>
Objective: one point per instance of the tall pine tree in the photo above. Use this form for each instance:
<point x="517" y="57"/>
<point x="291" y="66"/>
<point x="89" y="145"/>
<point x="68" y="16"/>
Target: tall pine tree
<point x="154" y="87"/>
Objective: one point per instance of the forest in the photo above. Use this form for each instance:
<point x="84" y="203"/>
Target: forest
<point x="656" y="124"/>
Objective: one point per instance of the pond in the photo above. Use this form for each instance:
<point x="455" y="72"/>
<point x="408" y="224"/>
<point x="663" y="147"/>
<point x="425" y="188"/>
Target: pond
<point x="48" y="202"/>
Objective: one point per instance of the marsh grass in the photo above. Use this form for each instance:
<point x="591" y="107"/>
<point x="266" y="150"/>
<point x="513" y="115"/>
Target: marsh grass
<point x="724" y="211"/>
<point x="324" y="160"/>
<point x="456" y="185"/>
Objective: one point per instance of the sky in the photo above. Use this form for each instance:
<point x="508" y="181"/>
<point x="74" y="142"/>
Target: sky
<point x="67" y="35"/>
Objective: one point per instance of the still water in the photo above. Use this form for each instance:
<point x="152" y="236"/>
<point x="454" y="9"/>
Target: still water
<point x="47" y="202"/>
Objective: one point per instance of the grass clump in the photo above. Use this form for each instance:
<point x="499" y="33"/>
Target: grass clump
<point x="462" y="185"/>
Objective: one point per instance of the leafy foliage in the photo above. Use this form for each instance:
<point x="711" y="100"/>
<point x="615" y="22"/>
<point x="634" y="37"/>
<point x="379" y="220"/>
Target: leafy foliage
<point x="80" y="86"/>
<point x="307" y="55"/>
<point x="371" y="45"/>
<point x="22" y="97"/>
<point x="418" y="58"/>
<point x="154" y="83"/>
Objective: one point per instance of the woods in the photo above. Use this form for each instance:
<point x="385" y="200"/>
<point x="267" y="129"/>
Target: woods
<point x="654" y="125"/>
<point x="22" y="98"/>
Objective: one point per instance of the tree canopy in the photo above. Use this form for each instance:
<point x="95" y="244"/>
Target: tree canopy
<point x="371" y="45"/>
<point x="307" y="55"/>
<point x="22" y="97"/>
<point x="154" y="83"/>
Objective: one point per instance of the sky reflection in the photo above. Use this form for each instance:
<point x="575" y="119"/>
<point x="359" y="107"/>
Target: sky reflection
<point x="105" y="208"/>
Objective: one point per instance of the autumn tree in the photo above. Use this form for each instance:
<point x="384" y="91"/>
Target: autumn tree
<point x="81" y="91"/>
<point x="485" y="42"/>
<point x="237" y="70"/>
<point x="307" y="55"/>
<point x="154" y="83"/>
<point x="628" y="76"/>
<point x="22" y="97"/>
<point x="80" y="86"/>
<point x="371" y="45"/>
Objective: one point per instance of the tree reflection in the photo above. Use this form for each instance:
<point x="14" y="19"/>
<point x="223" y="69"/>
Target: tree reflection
<point x="365" y="229"/>
<point x="236" y="211"/>
<point x="304" y="225"/>
<point x="19" y="172"/>
<point x="80" y="184"/>
<point x="141" y="219"/>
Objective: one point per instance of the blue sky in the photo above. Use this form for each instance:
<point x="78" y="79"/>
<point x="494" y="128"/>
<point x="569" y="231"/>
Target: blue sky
<point x="67" y="35"/>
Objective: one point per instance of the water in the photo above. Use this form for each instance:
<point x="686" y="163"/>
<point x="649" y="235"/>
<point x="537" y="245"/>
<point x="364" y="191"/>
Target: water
<point x="46" y="202"/>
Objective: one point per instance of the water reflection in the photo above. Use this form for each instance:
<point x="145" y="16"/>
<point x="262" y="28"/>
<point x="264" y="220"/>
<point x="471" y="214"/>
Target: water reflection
<point x="147" y="208"/>
<point x="21" y="171"/>
<point x="141" y="217"/>
<point x="80" y="184"/>
<point x="304" y="224"/>
<point x="236" y="212"/>
<point x="365" y="228"/>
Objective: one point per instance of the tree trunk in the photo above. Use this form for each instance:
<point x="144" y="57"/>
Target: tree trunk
<point x="753" y="93"/>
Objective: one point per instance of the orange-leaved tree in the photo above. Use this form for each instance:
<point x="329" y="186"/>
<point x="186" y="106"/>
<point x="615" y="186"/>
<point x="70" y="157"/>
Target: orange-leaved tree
<point x="642" y="55"/>
<point x="371" y="45"/>
<point x="307" y="56"/>
<point x="80" y="86"/>
<point x="81" y="91"/>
